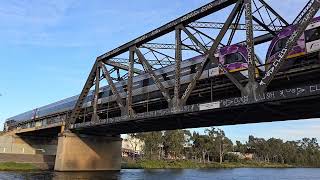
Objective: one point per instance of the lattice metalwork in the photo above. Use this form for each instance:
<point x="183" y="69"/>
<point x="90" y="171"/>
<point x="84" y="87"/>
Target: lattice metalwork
<point x="189" y="35"/>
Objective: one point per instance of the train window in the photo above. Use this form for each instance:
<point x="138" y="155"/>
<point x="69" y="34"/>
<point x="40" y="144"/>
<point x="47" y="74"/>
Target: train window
<point x="279" y="45"/>
<point x="233" y="58"/>
<point x="145" y="82"/>
<point x="165" y="76"/>
<point x="312" y="34"/>
<point x="193" y="69"/>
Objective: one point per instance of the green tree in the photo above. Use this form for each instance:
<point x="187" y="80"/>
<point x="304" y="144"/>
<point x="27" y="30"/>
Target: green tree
<point x="201" y="146"/>
<point x="239" y="147"/>
<point x="173" y="143"/>
<point x="219" y="142"/>
<point x="152" y="144"/>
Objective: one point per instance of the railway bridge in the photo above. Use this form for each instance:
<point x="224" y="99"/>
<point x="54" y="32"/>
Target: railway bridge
<point x="174" y="77"/>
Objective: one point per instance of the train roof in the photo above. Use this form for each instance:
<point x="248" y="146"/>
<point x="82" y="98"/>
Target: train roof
<point x="137" y="78"/>
<point x="184" y="63"/>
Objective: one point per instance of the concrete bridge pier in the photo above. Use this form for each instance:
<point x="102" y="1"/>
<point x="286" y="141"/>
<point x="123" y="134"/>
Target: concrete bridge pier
<point x="78" y="152"/>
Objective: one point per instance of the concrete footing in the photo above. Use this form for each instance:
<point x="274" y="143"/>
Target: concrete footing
<point x="87" y="153"/>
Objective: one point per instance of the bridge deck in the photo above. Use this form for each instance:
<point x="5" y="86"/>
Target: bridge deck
<point x="288" y="104"/>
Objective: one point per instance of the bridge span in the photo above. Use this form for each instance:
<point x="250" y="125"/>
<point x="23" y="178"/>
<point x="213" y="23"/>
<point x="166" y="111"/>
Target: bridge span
<point x="210" y="75"/>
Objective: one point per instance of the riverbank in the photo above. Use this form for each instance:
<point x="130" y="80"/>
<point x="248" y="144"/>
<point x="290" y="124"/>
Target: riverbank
<point x="187" y="164"/>
<point x="12" y="166"/>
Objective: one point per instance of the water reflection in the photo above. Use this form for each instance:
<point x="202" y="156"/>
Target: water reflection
<point x="112" y="175"/>
<point x="49" y="175"/>
<point x="177" y="174"/>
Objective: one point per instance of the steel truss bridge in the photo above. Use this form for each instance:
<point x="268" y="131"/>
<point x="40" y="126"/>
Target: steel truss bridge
<point x="274" y="95"/>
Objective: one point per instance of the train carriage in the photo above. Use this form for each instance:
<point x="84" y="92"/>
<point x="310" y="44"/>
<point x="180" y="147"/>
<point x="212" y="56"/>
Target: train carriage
<point x="233" y="57"/>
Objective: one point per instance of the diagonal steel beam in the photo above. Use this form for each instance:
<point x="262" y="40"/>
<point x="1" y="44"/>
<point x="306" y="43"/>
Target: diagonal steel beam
<point x="280" y="58"/>
<point x="249" y="39"/>
<point x="194" y="39"/>
<point x="213" y="59"/>
<point x="204" y="34"/>
<point x="130" y="82"/>
<point x="274" y="12"/>
<point x="263" y="25"/>
<point x="178" y="57"/>
<point x="96" y="96"/>
<point x="148" y="68"/>
<point x="112" y="86"/>
<point x="203" y="11"/>
<point x="122" y="66"/>
<point x="233" y="32"/>
<point x="304" y="9"/>
<point x="210" y="54"/>
<point x="85" y="90"/>
<point x="167" y="56"/>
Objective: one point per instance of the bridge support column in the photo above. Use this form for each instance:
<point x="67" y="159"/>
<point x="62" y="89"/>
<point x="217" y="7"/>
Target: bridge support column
<point x="87" y="153"/>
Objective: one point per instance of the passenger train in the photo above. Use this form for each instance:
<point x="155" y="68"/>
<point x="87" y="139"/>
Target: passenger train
<point x="233" y="57"/>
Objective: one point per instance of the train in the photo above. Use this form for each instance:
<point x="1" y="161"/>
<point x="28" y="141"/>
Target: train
<point x="308" y="43"/>
<point x="233" y="57"/>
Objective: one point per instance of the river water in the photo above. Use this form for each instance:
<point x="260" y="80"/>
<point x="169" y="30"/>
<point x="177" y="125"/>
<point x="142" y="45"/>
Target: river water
<point x="183" y="174"/>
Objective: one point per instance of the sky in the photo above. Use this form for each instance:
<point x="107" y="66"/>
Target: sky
<point x="47" y="49"/>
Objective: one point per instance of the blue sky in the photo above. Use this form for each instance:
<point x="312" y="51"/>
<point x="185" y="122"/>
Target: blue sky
<point x="48" y="47"/>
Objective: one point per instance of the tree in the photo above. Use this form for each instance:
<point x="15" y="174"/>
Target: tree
<point x="134" y="142"/>
<point x="214" y="145"/>
<point x="219" y="142"/>
<point x="152" y="143"/>
<point x="173" y="143"/>
<point x="239" y="147"/>
<point x="201" y="146"/>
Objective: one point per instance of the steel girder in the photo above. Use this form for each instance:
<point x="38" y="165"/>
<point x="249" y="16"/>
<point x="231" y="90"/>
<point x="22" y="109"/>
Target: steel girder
<point x="122" y="66"/>
<point x="130" y="83"/>
<point x="210" y="55"/>
<point x="180" y="25"/>
<point x="249" y="38"/>
<point x="112" y="86"/>
<point x="233" y="26"/>
<point x="147" y="67"/>
<point x="77" y="109"/>
<point x="302" y="12"/>
<point x="178" y="57"/>
<point x="304" y="21"/>
<point x="95" y="116"/>
<point x="186" y="19"/>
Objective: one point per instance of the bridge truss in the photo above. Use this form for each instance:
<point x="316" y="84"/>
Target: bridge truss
<point x="249" y="22"/>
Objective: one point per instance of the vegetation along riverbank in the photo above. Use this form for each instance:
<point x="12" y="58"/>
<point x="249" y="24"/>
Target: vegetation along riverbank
<point x="213" y="149"/>
<point x="12" y="166"/>
<point x="187" y="164"/>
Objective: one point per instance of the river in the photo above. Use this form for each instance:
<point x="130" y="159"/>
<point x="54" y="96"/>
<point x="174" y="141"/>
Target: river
<point x="165" y="174"/>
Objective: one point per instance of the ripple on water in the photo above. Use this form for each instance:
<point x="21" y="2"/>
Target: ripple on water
<point x="173" y="174"/>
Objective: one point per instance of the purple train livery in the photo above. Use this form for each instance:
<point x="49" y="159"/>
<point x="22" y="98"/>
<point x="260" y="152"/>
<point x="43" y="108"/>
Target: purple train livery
<point x="233" y="57"/>
<point x="308" y="43"/>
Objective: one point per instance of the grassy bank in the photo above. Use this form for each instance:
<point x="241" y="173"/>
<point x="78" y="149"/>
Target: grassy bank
<point x="185" y="164"/>
<point x="12" y="166"/>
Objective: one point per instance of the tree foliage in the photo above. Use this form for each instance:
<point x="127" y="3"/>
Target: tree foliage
<point x="214" y="145"/>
